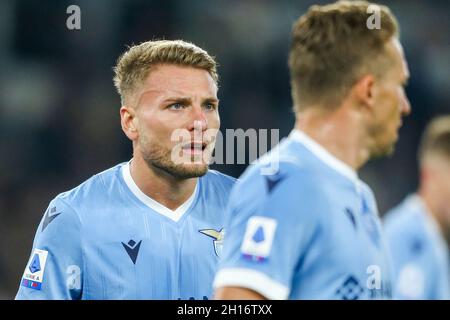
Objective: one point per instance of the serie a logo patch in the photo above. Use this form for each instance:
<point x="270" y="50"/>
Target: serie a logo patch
<point x="258" y="238"/>
<point x="34" y="272"/>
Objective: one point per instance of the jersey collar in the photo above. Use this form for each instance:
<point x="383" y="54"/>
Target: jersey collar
<point x="174" y="215"/>
<point x="324" y="155"/>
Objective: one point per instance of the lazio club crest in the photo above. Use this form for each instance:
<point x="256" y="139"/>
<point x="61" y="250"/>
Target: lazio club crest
<point x="217" y="239"/>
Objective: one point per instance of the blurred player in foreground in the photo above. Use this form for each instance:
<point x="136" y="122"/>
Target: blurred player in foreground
<point x="312" y="230"/>
<point x="418" y="230"/>
<point x="150" y="228"/>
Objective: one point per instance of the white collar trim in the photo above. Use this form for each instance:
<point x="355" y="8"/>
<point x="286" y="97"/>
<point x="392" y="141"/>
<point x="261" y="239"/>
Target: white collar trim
<point x="324" y="155"/>
<point x="174" y="215"/>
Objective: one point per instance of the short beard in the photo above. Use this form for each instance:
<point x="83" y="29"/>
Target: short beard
<point x="378" y="150"/>
<point x="382" y="151"/>
<point x="158" y="157"/>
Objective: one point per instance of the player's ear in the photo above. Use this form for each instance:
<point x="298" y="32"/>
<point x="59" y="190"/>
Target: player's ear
<point x="363" y="92"/>
<point x="128" y="122"/>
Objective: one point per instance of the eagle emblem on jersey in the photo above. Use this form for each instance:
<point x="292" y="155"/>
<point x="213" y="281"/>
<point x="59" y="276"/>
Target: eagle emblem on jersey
<point x="217" y="239"/>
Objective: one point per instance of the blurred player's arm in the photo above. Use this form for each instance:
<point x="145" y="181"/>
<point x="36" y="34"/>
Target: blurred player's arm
<point x="54" y="270"/>
<point x="237" y="293"/>
<point x="267" y="236"/>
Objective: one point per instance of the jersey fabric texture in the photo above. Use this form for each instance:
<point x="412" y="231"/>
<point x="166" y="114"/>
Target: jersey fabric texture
<point x="309" y="231"/>
<point x="106" y="239"/>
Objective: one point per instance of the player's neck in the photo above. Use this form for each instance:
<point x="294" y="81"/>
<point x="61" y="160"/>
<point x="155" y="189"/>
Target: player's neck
<point x="338" y="133"/>
<point x="160" y="186"/>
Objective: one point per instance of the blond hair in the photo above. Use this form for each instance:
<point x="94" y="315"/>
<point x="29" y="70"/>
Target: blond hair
<point x="332" y="47"/>
<point x="436" y="138"/>
<point x="134" y="65"/>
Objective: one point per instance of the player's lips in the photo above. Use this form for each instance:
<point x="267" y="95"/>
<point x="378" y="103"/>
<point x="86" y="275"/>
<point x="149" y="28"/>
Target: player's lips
<point x="194" y="147"/>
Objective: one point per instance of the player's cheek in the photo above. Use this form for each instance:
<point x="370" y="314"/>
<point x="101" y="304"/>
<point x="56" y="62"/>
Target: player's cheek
<point x="213" y="120"/>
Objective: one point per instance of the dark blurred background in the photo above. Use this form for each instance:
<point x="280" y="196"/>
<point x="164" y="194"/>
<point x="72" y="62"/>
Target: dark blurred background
<point x="60" y="113"/>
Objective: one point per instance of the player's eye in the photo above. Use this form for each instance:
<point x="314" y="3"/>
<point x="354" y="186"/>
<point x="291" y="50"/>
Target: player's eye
<point x="210" y="106"/>
<point x="176" y="106"/>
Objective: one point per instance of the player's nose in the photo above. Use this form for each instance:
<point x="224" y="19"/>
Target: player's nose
<point x="198" y="119"/>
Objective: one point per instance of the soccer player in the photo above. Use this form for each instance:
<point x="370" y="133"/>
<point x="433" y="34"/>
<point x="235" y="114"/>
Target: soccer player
<point x="312" y="230"/>
<point x="150" y="228"/>
<point x="418" y="230"/>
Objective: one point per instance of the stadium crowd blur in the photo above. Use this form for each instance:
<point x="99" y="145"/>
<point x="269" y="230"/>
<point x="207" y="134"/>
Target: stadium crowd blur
<point x="60" y="113"/>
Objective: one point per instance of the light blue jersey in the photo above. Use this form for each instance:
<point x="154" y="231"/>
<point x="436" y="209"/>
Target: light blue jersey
<point x="311" y="231"/>
<point x="107" y="240"/>
<point x="419" y="252"/>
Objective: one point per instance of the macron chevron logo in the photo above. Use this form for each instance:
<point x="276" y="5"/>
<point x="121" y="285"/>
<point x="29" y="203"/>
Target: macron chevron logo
<point x="132" y="248"/>
<point x="272" y="182"/>
<point x="50" y="215"/>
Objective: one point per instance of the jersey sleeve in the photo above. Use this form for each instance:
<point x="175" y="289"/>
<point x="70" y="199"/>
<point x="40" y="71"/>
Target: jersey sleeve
<point x="272" y="221"/>
<point x="54" y="269"/>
